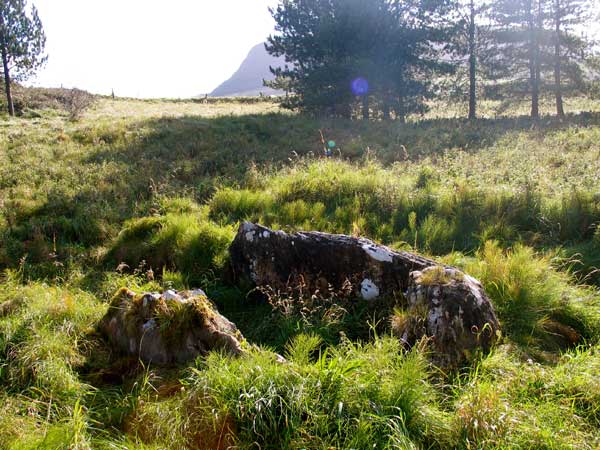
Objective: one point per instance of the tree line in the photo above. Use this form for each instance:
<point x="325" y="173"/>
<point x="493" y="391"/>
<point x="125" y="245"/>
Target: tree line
<point x="387" y="58"/>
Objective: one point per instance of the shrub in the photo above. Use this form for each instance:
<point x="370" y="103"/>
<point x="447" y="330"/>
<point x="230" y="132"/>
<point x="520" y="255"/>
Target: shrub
<point x="76" y="102"/>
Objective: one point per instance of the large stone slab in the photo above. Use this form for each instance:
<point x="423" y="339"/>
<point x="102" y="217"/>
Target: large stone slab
<point x="264" y="257"/>
<point x="441" y="303"/>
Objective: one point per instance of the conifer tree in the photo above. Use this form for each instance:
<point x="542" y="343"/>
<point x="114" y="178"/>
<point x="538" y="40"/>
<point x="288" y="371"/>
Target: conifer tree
<point x="518" y="34"/>
<point x="536" y="40"/>
<point x="472" y="44"/>
<point x="389" y="45"/>
<point x="568" y="47"/>
<point x="22" y="43"/>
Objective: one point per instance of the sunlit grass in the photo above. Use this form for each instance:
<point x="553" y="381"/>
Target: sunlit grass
<point x="162" y="185"/>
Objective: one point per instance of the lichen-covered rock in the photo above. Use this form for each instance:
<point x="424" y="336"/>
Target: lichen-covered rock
<point x="168" y="328"/>
<point x="263" y="257"/>
<point x="443" y="304"/>
<point x="451" y="309"/>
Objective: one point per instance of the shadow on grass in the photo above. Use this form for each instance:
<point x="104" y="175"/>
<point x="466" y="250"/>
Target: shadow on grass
<point x="190" y="156"/>
<point x="184" y="150"/>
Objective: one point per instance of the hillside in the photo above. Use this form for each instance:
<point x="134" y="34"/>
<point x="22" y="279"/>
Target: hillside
<point x="248" y="79"/>
<point x="163" y="185"/>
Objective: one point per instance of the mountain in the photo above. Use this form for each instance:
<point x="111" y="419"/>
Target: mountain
<point x="248" y="79"/>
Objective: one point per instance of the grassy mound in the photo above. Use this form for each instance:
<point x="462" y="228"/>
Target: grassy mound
<point x="177" y="241"/>
<point x="408" y="204"/>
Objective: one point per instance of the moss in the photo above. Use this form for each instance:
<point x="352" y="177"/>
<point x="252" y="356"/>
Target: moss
<point x="133" y="315"/>
<point x="175" y="318"/>
<point x="203" y="307"/>
<point x="434" y="276"/>
<point x="122" y="294"/>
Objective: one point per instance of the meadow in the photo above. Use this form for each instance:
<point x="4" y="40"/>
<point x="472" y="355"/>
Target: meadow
<point x="162" y="185"/>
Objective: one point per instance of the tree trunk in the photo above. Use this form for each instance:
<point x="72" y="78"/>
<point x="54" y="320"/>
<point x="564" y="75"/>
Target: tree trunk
<point x="560" y="112"/>
<point x="365" y="107"/>
<point x="9" y="100"/>
<point x="386" y="107"/>
<point x="400" y="111"/>
<point x="472" y="65"/>
<point x="538" y="58"/>
<point x="533" y="62"/>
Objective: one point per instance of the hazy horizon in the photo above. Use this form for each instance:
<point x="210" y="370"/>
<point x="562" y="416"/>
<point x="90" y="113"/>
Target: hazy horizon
<point x="101" y="46"/>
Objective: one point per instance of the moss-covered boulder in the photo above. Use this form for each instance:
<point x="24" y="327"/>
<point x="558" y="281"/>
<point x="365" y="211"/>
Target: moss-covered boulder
<point x="169" y="328"/>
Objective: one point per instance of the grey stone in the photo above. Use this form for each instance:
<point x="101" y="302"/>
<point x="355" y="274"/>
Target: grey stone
<point x="442" y="304"/>
<point x="168" y="329"/>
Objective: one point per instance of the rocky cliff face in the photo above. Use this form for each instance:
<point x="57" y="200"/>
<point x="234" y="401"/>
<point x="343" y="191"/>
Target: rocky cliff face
<point x="248" y="79"/>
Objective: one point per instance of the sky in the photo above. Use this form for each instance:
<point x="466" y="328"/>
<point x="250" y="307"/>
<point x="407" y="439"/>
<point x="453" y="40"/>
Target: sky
<point x="148" y="48"/>
<point x="152" y="48"/>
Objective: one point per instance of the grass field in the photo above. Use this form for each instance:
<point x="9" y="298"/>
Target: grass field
<point x="163" y="185"/>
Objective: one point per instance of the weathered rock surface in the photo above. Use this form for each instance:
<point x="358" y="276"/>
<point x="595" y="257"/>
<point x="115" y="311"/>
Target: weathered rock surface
<point x="273" y="258"/>
<point x="168" y="328"/>
<point x="443" y="303"/>
<point x="452" y="310"/>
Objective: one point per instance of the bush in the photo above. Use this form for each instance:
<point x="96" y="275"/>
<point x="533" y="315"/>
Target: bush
<point x="76" y="102"/>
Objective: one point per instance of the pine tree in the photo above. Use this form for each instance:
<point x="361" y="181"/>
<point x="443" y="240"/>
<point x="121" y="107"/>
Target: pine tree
<point x="422" y="42"/>
<point x="568" y="48"/>
<point x="22" y="43"/>
<point x="388" y="44"/>
<point x="472" y="60"/>
<point x="472" y="42"/>
<point x="519" y="29"/>
<point x="536" y="41"/>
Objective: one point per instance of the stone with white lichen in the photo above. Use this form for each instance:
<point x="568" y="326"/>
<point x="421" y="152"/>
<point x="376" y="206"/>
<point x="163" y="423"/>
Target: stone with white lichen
<point x="452" y="311"/>
<point x="445" y="305"/>
<point x="260" y="256"/>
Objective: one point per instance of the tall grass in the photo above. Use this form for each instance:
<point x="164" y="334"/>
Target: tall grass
<point x="351" y="397"/>
<point x="537" y="305"/>
<point x="162" y="185"/>
<point x="185" y="242"/>
<point x="374" y="201"/>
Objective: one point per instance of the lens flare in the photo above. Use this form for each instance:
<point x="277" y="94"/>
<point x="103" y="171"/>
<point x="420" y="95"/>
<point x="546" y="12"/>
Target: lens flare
<point x="360" y="86"/>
